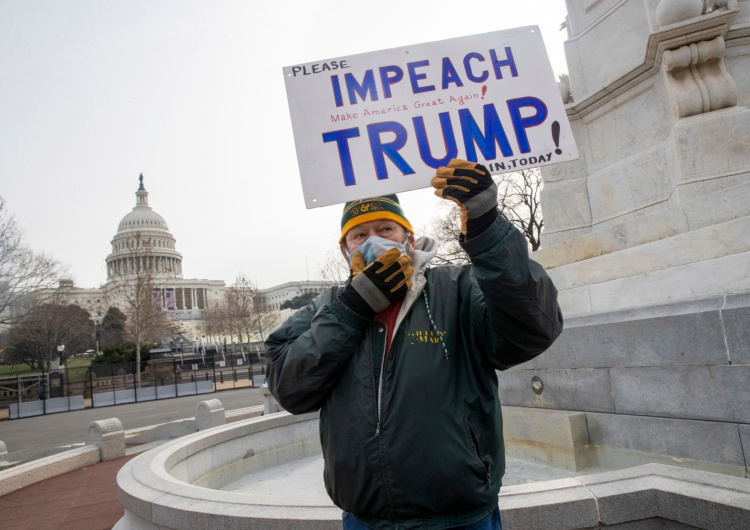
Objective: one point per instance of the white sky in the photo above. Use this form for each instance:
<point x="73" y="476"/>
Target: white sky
<point x="191" y="94"/>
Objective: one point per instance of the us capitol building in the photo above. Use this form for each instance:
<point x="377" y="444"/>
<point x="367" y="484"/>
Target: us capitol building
<point x="183" y="299"/>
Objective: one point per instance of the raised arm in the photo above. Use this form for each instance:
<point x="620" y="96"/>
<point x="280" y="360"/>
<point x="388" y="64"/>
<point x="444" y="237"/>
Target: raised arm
<point x="515" y="315"/>
<point x="309" y="350"/>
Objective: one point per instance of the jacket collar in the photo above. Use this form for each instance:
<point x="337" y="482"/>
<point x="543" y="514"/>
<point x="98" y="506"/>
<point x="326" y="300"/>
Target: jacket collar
<point x="424" y="250"/>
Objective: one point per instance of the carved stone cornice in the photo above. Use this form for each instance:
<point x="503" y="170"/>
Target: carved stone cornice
<point x="673" y="36"/>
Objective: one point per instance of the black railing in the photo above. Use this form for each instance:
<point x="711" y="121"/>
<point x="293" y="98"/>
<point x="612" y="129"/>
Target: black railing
<point x="31" y="393"/>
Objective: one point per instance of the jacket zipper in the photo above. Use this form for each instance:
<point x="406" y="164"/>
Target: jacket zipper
<point x="379" y="400"/>
<point x="380" y="381"/>
<point x="385" y="352"/>
<point x="382" y="371"/>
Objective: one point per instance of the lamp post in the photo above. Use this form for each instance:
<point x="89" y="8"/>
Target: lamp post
<point x="43" y="393"/>
<point x="96" y="335"/>
<point x="60" y="350"/>
<point x="181" y="357"/>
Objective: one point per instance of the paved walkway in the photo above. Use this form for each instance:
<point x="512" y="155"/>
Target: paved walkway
<point x="84" y="499"/>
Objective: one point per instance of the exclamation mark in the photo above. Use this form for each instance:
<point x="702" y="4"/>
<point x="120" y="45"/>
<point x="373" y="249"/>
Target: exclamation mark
<point x="556" y="137"/>
<point x="484" y="90"/>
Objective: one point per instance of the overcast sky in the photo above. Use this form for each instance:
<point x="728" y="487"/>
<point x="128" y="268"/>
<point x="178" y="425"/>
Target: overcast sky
<point x="191" y="94"/>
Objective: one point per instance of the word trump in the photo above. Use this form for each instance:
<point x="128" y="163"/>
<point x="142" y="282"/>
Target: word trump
<point x="525" y="113"/>
<point x="420" y="76"/>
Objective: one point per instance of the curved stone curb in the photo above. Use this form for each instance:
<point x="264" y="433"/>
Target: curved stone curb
<point x="182" y="427"/>
<point x="173" y="486"/>
<point x="32" y="472"/>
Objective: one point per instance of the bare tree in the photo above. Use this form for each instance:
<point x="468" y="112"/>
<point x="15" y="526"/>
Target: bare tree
<point x="247" y="313"/>
<point x="214" y="322"/>
<point x="233" y="317"/>
<point x="446" y="228"/>
<point x="265" y="319"/>
<point x="36" y="338"/>
<point x="333" y="268"/>
<point x="26" y="277"/>
<point x="137" y="292"/>
<point x="518" y="197"/>
<point x="240" y="310"/>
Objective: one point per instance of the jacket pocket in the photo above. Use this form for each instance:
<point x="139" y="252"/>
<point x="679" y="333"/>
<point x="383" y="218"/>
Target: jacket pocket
<point x="477" y="451"/>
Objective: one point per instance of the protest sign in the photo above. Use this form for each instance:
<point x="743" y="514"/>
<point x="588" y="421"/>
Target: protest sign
<point x="381" y="122"/>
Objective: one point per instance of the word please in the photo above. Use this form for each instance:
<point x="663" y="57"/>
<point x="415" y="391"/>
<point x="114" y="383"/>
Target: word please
<point x="317" y="68"/>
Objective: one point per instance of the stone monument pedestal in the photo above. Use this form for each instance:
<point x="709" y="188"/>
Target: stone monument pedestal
<point x="647" y="237"/>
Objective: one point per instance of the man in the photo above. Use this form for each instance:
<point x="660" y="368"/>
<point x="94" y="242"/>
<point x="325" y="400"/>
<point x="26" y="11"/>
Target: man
<point x="401" y="360"/>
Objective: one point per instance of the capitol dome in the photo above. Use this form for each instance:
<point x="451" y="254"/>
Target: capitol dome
<point x="141" y="218"/>
<point x="143" y="239"/>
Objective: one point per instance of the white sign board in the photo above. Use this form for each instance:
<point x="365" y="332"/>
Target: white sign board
<point x="381" y="122"/>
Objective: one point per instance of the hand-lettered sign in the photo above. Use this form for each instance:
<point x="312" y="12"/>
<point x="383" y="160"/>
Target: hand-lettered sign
<point x="381" y="122"/>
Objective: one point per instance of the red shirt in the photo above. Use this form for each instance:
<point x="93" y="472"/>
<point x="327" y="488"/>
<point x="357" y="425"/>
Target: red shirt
<point x="388" y="317"/>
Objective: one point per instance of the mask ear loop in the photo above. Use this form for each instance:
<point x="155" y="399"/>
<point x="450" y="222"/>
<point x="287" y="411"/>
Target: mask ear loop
<point x="349" y="256"/>
<point x="407" y="244"/>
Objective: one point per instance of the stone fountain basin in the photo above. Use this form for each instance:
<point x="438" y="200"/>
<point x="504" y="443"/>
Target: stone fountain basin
<point x="265" y="473"/>
<point x="180" y="484"/>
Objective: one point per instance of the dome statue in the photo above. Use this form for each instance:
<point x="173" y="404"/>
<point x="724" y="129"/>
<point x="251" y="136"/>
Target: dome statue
<point x="143" y="238"/>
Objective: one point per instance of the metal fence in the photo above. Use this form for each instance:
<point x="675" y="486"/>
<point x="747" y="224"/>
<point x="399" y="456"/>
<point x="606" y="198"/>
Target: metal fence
<point x="34" y="393"/>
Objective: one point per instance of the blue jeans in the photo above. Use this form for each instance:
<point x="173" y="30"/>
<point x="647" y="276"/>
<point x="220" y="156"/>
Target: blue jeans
<point x="491" y="522"/>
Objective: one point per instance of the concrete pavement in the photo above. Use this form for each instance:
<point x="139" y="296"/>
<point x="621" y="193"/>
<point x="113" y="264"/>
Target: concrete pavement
<point x="86" y="499"/>
<point x="30" y="437"/>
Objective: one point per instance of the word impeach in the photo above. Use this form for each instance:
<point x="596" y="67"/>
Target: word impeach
<point x="393" y="75"/>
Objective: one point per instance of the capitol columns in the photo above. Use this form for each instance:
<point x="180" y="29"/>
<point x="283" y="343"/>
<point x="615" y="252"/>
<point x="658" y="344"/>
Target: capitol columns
<point x="134" y="293"/>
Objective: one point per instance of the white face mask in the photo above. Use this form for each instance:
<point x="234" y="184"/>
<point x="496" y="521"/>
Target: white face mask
<point x="374" y="247"/>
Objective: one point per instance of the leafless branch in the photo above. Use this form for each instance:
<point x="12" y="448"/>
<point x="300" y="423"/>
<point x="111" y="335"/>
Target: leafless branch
<point x="518" y="197"/>
<point x="246" y="314"/>
<point x="333" y="268"/>
<point x="27" y="278"/>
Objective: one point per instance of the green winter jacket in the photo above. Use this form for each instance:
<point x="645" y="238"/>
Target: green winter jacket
<point x="421" y="446"/>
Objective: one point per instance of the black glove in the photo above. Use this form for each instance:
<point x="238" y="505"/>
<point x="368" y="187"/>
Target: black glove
<point x="384" y="281"/>
<point x="469" y="185"/>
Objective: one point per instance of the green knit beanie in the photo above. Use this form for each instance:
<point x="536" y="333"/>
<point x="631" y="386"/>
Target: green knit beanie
<point x="373" y="209"/>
